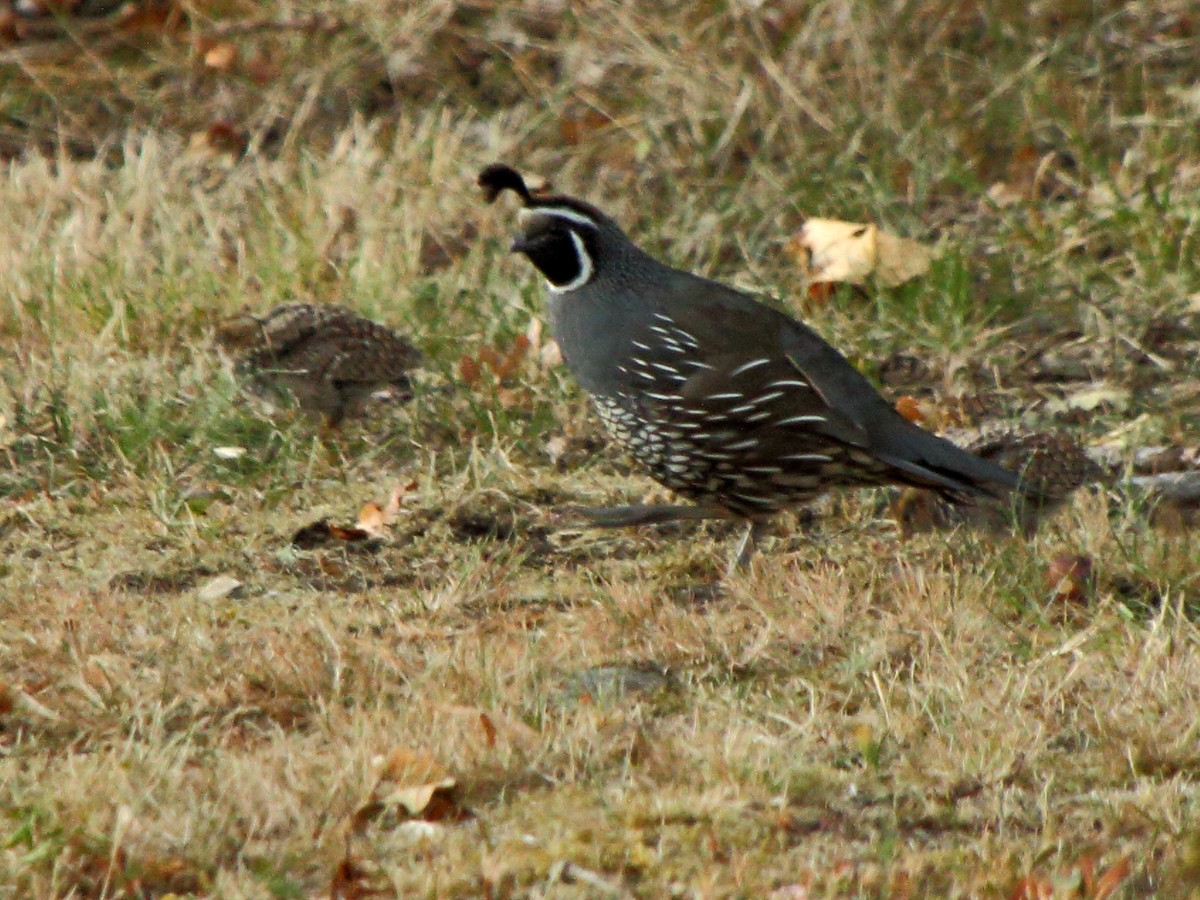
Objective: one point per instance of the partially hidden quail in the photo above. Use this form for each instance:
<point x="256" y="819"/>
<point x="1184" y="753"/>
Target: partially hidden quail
<point x="327" y="357"/>
<point x="723" y="399"/>
<point x="1052" y="466"/>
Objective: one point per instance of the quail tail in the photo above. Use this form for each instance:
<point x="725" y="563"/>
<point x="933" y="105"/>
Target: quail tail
<point x="928" y="461"/>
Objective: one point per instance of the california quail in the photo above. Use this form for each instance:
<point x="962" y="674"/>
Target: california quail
<point x="1052" y="465"/>
<point x="723" y="399"/>
<point x="327" y="357"/>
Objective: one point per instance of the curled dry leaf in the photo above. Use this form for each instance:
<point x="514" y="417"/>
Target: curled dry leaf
<point x="411" y="785"/>
<point x="375" y="519"/>
<point x="1070" y="578"/>
<point x="373" y="523"/>
<point x="851" y="252"/>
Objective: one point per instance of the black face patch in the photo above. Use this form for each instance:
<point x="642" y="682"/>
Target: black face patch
<point x="556" y="248"/>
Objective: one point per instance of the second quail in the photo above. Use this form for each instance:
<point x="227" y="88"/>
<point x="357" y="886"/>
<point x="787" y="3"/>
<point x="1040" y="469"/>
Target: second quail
<point x="327" y="357"/>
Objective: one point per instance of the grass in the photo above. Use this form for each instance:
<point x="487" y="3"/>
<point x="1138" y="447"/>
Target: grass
<point x="861" y="716"/>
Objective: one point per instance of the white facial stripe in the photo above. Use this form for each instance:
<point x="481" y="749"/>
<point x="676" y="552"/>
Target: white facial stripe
<point x="562" y="212"/>
<point x="585" y="268"/>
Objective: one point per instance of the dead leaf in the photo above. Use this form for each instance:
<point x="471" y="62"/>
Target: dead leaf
<point x="910" y="407"/>
<point x="411" y="785"/>
<point x="218" y="588"/>
<point x="322" y="531"/>
<point x="512" y="359"/>
<point x="555" y="448"/>
<point x="375" y="519"/>
<point x="835" y="251"/>
<point x="1070" y="578"/>
<point x="222" y="56"/>
<point x="1108" y="882"/>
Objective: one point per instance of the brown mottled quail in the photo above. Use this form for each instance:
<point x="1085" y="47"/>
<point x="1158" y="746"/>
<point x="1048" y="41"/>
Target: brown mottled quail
<point x="327" y="357"/>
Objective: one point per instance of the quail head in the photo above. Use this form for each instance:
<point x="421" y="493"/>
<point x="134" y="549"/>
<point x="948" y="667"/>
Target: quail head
<point x="328" y="358"/>
<point x="721" y="398"/>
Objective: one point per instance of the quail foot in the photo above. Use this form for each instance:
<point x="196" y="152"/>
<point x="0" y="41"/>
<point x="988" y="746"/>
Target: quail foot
<point x="327" y="357"/>
<point x="724" y="400"/>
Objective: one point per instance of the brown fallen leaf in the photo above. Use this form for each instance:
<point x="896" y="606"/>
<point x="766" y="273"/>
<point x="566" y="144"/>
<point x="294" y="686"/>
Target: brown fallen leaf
<point x="322" y="531"/>
<point x="1071" y="578"/>
<point x="1110" y="879"/>
<point x="910" y="407"/>
<point x="221" y="57"/>
<point x="833" y="251"/>
<point x="411" y="785"/>
<point x="375" y="519"/>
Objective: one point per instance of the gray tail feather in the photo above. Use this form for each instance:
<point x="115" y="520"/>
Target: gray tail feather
<point x="933" y="462"/>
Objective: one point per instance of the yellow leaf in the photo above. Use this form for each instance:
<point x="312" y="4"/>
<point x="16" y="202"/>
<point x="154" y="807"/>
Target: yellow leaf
<point x="850" y="252"/>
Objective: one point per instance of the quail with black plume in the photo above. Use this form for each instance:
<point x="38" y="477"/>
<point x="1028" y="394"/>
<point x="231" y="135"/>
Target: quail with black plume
<point x="723" y="399"/>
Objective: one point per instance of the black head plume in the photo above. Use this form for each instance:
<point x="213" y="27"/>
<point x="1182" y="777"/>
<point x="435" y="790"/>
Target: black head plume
<point x="498" y="178"/>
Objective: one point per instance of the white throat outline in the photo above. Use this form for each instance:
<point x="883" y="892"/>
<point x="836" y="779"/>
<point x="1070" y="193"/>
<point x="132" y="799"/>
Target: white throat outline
<point x="585" y="268"/>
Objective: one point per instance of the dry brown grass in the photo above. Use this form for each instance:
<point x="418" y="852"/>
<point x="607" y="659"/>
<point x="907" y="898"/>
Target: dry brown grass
<point x="861" y="716"/>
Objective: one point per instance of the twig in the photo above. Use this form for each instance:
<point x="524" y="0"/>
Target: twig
<point x="314" y="22"/>
<point x="567" y="872"/>
<point x="1181" y="488"/>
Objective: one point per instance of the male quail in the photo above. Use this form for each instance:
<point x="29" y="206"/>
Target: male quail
<point x="330" y="359"/>
<point x="1052" y="465"/>
<point x="723" y="399"/>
